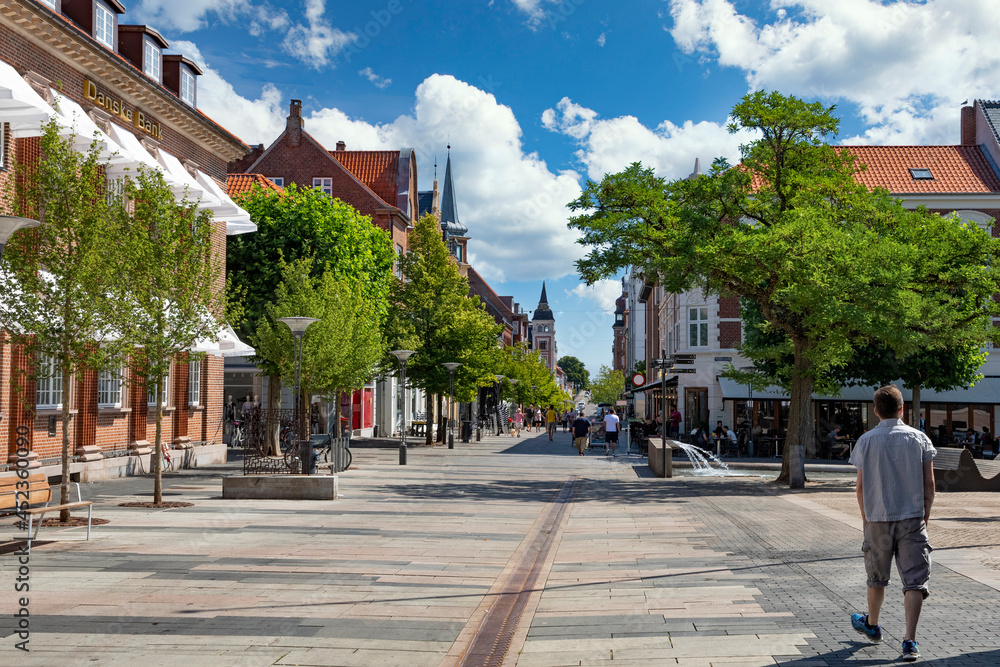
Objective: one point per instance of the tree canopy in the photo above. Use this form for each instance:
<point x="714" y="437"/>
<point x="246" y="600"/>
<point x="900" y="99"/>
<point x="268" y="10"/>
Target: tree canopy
<point x="608" y="386"/>
<point x="826" y="261"/>
<point x="575" y="371"/>
<point x="434" y="316"/>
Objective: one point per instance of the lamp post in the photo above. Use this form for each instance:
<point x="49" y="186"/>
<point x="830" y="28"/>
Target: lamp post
<point x="10" y="224"/>
<point x="451" y="366"/>
<point x="298" y="326"/>
<point x="499" y="386"/>
<point x="402" y="356"/>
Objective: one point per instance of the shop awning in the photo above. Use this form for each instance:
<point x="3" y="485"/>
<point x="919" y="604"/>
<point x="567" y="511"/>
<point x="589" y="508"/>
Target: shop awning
<point x="986" y="390"/>
<point x="228" y="344"/>
<point x="657" y="384"/>
<point x="20" y="105"/>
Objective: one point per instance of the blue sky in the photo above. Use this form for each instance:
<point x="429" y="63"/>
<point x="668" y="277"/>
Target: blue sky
<point x="535" y="96"/>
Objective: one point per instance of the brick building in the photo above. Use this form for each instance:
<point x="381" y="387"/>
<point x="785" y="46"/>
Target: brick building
<point x="73" y="60"/>
<point x="543" y="333"/>
<point x="380" y="184"/>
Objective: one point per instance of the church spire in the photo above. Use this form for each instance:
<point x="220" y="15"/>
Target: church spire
<point x="449" y="207"/>
<point x="543" y="312"/>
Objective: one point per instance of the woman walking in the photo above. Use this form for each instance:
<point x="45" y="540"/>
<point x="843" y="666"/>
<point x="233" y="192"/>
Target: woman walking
<point x="518" y="421"/>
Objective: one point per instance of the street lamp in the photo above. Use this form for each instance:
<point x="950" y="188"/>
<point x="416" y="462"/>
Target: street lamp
<point x="451" y="366"/>
<point x="10" y="224"/>
<point x="402" y="356"/>
<point x="298" y="326"/>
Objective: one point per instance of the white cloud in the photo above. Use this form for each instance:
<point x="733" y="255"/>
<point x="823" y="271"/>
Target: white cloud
<point x="316" y="41"/>
<point x="513" y="204"/>
<point x="184" y="15"/>
<point x="542" y="13"/>
<point x="603" y="293"/>
<point x="378" y="81"/>
<point x="906" y="65"/>
<point x="602" y="39"/>
<point x="610" y="145"/>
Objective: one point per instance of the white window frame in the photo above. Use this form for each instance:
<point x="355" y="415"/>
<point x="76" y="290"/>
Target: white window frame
<point x="152" y="60"/>
<point x="698" y="326"/>
<point x="399" y="261"/>
<point x="3" y="146"/>
<point x="194" y="383"/>
<point x="277" y="180"/>
<point x="151" y="396"/>
<point x="104" y="25"/>
<point x="51" y="4"/>
<point x="48" y="384"/>
<point x="188" y="87"/>
<point x="323" y="183"/>
<point x="109" y="389"/>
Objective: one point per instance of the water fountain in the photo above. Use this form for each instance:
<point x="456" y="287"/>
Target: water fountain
<point x="702" y="460"/>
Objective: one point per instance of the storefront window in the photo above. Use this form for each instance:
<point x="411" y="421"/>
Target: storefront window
<point x="937" y="427"/>
<point x="981" y="416"/>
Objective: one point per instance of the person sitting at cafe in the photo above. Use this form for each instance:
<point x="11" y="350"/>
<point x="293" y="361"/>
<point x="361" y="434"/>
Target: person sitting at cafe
<point x="720" y="430"/>
<point x="838" y="448"/>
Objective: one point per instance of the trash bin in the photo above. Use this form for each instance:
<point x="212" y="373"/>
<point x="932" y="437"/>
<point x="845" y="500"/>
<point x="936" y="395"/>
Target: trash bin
<point x="466" y="431"/>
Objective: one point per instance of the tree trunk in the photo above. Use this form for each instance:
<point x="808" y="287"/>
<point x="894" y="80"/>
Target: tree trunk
<point x="429" y="420"/>
<point x="158" y="449"/>
<point x="915" y="408"/>
<point x="304" y="426"/>
<point x="800" y="421"/>
<point x="442" y="419"/>
<point x="273" y="406"/>
<point x="64" y="484"/>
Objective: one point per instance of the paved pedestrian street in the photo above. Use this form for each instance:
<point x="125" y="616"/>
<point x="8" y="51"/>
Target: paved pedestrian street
<point x="513" y="547"/>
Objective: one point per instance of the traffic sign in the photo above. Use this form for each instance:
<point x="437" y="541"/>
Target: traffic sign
<point x="638" y="379"/>
<point x="684" y="358"/>
<point x="683" y="370"/>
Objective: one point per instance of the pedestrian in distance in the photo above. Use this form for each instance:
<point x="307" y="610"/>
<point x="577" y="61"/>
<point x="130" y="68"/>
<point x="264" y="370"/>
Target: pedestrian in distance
<point x="581" y="432"/>
<point x="895" y="490"/>
<point x="518" y="421"/>
<point x="551" y="419"/>
<point x="675" y="423"/>
<point x="610" y="431"/>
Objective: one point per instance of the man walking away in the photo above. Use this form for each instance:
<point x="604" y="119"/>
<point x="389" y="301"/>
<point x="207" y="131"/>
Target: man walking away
<point x="895" y="493"/>
<point x="610" y="431"/>
<point x="550" y="421"/>
<point x="581" y="432"/>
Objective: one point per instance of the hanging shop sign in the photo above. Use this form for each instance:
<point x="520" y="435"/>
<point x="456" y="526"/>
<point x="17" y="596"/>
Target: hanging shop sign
<point x="116" y="107"/>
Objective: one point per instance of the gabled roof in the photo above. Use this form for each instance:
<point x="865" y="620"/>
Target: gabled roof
<point x="376" y="169"/>
<point x="493" y="302"/>
<point x="237" y="184"/>
<point x="955" y="169"/>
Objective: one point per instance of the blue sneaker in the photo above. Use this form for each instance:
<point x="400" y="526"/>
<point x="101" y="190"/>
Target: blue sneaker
<point x="860" y="623"/>
<point x="911" y="651"/>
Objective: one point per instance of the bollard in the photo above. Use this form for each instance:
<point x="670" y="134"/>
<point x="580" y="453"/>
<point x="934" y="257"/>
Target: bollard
<point x="307" y="464"/>
<point x="402" y="454"/>
<point x="451" y="441"/>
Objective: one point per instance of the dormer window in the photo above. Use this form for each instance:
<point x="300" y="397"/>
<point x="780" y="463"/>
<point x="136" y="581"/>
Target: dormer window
<point x="104" y="25"/>
<point x="187" y="87"/>
<point x="151" y="56"/>
<point x="921" y="174"/>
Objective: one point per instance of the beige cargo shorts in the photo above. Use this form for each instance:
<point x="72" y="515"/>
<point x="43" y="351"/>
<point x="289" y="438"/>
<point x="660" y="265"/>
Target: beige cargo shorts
<point x="907" y="541"/>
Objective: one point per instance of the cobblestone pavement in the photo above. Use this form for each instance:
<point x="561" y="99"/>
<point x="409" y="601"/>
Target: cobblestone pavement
<point x="401" y="569"/>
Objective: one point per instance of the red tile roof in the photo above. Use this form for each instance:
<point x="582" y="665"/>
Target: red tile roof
<point x="494" y="303"/>
<point x="956" y="169"/>
<point x="376" y="169"/>
<point x="237" y="184"/>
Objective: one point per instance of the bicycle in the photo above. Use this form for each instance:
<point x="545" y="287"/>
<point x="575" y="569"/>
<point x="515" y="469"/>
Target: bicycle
<point x="327" y="454"/>
<point x="238" y="438"/>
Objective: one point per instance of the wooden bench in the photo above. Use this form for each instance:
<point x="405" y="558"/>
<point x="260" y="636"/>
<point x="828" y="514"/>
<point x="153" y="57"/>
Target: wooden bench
<point x="30" y="497"/>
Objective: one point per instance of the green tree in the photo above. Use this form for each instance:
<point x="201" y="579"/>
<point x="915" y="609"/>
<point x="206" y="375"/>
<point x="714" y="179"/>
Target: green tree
<point x="608" y="386"/>
<point x="575" y="371"/>
<point x="535" y="384"/>
<point x="171" y="277"/>
<point x="294" y="224"/>
<point x="58" y="307"/>
<point x="790" y="229"/>
<point x="434" y="316"/>
<point x="342" y="351"/>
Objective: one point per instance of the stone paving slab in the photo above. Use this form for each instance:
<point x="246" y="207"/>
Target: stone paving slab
<point x="687" y="571"/>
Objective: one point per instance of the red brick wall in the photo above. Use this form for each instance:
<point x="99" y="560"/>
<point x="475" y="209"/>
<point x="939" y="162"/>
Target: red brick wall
<point x="729" y="334"/>
<point x="729" y="306"/>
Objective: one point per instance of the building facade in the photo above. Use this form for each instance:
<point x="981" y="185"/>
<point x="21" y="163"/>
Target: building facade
<point x="74" y="61"/>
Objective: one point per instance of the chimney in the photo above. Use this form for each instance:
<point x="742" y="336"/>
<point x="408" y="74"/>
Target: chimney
<point x="293" y="124"/>
<point x="341" y="146"/>
<point x="969" y="126"/>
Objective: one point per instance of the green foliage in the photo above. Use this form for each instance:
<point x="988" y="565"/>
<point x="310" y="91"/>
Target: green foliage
<point x="535" y="384"/>
<point x="640" y="367"/>
<point x="63" y="313"/>
<point x="434" y="316"/>
<point x="341" y="352"/>
<point x="304" y="223"/>
<point x="576" y="372"/>
<point x="608" y="386"/>
<point x="827" y="262"/>
<point x="169" y="278"/>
